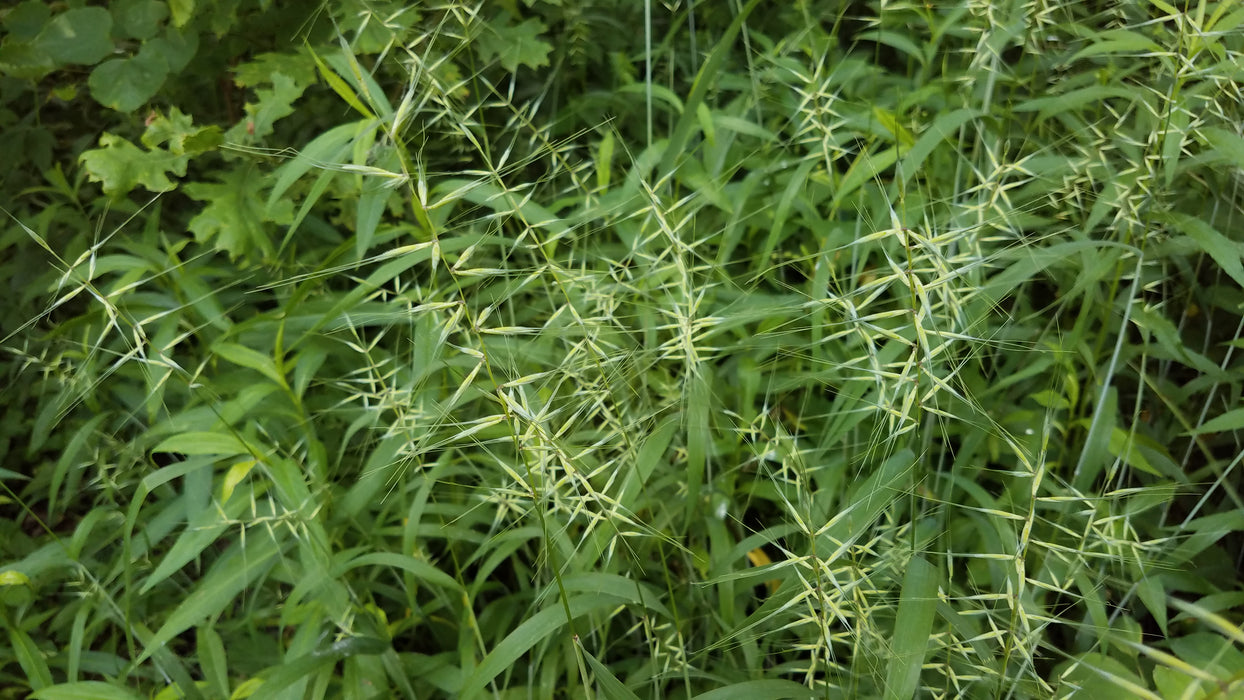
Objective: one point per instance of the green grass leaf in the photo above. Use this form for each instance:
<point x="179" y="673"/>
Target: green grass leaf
<point x="241" y="565"/>
<point x="1223" y="250"/>
<point x="760" y="690"/>
<point x="203" y="443"/>
<point x="85" y="690"/>
<point x="611" y="687"/>
<point x="913" y="628"/>
<point x="531" y="632"/>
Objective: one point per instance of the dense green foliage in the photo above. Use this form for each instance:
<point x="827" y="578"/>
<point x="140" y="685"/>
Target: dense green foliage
<point x="599" y="348"/>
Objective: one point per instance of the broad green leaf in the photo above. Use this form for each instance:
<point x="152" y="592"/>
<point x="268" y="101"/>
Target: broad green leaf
<point x="234" y="476"/>
<point x="182" y="11"/>
<point x="291" y="483"/>
<point x="514" y="44"/>
<point x="24" y="21"/>
<point x="229" y="576"/>
<point x="399" y="260"/>
<point x="1211" y="653"/>
<point x="1173" y="140"/>
<point x="24" y="60"/>
<point x="912" y="628"/>
<point x="78" y="36"/>
<point x="259" y="70"/>
<point x="86" y="690"/>
<point x="1168" y="338"/>
<point x="139" y="19"/>
<point x="177" y="48"/>
<point x="377" y="471"/>
<point x="120" y="166"/>
<point x="153" y="481"/>
<point x="178" y="131"/>
<point x="235" y="217"/>
<point x="1166" y="7"/>
<point x="1032" y="261"/>
<point x="270" y="106"/>
<point x="125" y="84"/>
<point x="1172" y="683"/>
<point x="1202" y="533"/>
<point x="1222" y="625"/>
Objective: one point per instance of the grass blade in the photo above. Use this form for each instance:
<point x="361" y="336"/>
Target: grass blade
<point x="912" y="628"/>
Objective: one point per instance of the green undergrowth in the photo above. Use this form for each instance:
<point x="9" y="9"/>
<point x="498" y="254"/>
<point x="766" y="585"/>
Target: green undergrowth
<point x="608" y="349"/>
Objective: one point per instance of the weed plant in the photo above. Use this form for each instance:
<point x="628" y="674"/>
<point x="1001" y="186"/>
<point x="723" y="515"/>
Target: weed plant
<point x="584" y="349"/>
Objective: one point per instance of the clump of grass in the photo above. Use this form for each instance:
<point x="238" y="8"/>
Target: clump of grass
<point x="900" y="361"/>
